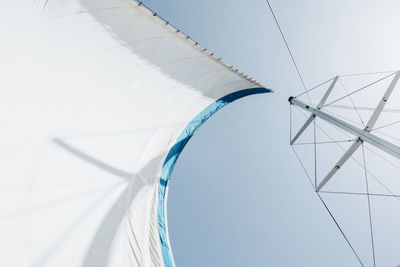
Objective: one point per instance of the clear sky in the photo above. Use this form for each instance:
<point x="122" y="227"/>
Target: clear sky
<point x="238" y="196"/>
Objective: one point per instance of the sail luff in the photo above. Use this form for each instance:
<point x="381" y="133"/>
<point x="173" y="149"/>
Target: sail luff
<point x="97" y="95"/>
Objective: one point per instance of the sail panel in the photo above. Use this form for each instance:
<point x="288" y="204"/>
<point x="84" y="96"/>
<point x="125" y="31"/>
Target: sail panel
<point x="94" y="95"/>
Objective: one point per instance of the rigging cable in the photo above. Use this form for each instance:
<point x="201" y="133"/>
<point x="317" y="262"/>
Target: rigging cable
<point x="367" y="73"/>
<point x="342" y="117"/>
<point x="290" y="121"/>
<point x="341" y="106"/>
<point x="340" y="229"/>
<point x="345" y="75"/>
<point x="357" y="193"/>
<point x="387" y="135"/>
<point x="380" y="127"/>
<point x="337" y="142"/>
<point x="362" y="88"/>
<point x="315" y="87"/>
<point x="308" y="95"/>
<point x="288" y="48"/>
<point x="315" y="154"/>
<point x="369" y="206"/>
<point x="382" y="157"/>
<point x="367" y="194"/>
<point x="391" y="110"/>
<point x="387" y="110"/>
<point x="304" y="168"/>
<point x="323" y="202"/>
<point x="355" y="160"/>
<point x="352" y="102"/>
<point x="324" y="142"/>
<point x="327" y="209"/>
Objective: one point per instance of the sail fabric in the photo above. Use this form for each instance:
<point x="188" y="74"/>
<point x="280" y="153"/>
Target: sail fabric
<point x="94" y="96"/>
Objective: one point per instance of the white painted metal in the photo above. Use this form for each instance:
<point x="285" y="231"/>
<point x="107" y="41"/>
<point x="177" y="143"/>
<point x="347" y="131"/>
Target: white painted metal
<point x="319" y="106"/>
<point x="327" y="93"/>
<point x="363" y="134"/>
<point x="382" y="103"/>
<point x="300" y="132"/>
<point x="340" y="163"/>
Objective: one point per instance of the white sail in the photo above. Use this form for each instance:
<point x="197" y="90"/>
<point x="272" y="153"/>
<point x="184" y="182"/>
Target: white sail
<point x="97" y="100"/>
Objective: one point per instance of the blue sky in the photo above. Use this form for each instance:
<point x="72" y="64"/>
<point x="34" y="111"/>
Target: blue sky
<point x="238" y="196"/>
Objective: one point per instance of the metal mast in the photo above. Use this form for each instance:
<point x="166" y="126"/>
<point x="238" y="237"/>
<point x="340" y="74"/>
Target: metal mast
<point x="362" y="135"/>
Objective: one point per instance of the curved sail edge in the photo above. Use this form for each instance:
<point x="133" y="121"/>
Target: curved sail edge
<point x="94" y="96"/>
<point x="174" y="154"/>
